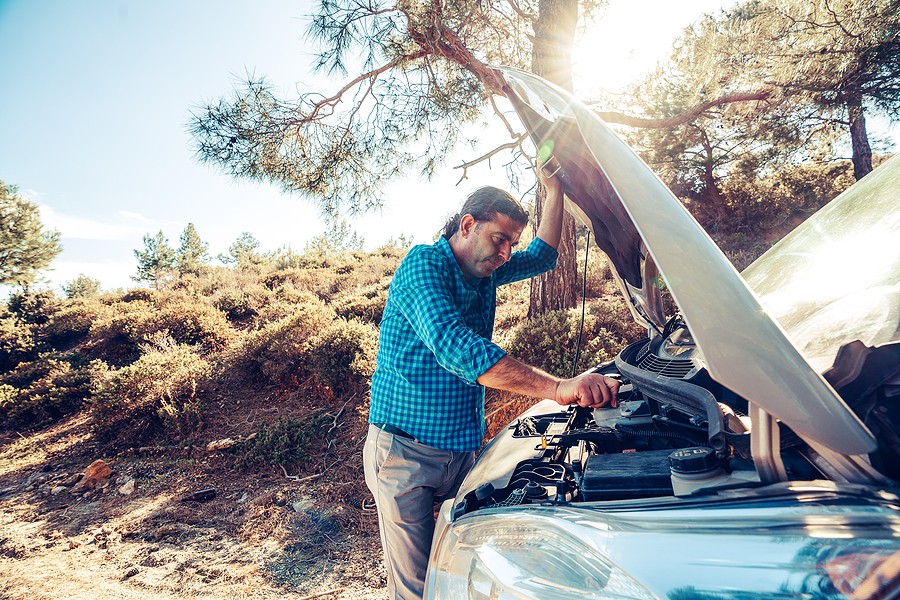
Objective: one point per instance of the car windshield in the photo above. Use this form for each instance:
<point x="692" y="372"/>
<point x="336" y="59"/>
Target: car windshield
<point x="836" y="278"/>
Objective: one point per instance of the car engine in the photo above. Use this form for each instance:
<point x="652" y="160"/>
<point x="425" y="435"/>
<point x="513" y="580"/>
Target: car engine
<point x="675" y="432"/>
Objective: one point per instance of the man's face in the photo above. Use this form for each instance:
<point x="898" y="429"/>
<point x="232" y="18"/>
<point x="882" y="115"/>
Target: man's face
<point x="485" y="246"/>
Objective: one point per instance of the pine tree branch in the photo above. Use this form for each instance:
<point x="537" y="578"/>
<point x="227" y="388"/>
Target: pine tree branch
<point x="371" y="75"/>
<point x="465" y="166"/>
<point x="684" y="117"/>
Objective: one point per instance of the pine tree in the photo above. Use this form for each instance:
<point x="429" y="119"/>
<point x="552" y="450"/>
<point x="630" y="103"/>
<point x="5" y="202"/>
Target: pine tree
<point x="156" y="261"/>
<point x="25" y="247"/>
<point x="243" y="252"/>
<point x="193" y="253"/>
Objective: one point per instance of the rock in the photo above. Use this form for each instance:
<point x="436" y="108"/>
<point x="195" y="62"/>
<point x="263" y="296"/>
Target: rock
<point x="222" y="444"/>
<point x="244" y="498"/>
<point x="72" y="480"/>
<point x="302" y="506"/>
<point x="97" y="471"/>
<point x="58" y="490"/>
<point x="200" y="496"/>
<point x="130" y="573"/>
<point x="127" y="488"/>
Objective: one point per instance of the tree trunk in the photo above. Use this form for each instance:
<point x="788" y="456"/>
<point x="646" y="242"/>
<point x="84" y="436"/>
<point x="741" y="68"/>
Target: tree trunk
<point x="862" y="152"/>
<point x="554" y="36"/>
<point x="711" y="193"/>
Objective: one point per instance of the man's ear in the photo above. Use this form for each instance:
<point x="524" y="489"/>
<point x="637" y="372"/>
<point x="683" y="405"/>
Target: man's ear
<point x="466" y="225"/>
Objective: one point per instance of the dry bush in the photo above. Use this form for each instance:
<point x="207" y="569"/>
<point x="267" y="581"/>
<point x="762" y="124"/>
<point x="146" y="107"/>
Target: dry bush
<point x="758" y="204"/>
<point x="241" y="305"/>
<point x="613" y="315"/>
<point x="159" y="391"/>
<point x="277" y="351"/>
<point x="320" y="281"/>
<point x="343" y="355"/>
<point x="282" y="304"/>
<point x="599" y="274"/>
<point x="72" y="322"/>
<point x="190" y="321"/>
<point x="117" y="335"/>
<point x="366" y="303"/>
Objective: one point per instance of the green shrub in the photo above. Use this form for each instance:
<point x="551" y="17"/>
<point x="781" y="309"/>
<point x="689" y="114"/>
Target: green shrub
<point x="549" y="341"/>
<point x="157" y="391"/>
<point x="613" y="315"/>
<point x="343" y="355"/>
<point x="283" y="442"/>
<point x="82" y="286"/>
<point x="141" y="295"/>
<point x="33" y="307"/>
<point x="16" y="342"/>
<point x="43" y="391"/>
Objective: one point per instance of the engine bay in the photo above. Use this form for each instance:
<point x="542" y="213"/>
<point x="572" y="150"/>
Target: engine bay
<point x="675" y="432"/>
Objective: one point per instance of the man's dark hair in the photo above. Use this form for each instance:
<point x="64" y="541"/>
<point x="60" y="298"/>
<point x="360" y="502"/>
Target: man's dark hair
<point x="484" y="204"/>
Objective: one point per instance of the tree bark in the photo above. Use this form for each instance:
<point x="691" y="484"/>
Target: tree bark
<point x="554" y="36"/>
<point x="859" y="139"/>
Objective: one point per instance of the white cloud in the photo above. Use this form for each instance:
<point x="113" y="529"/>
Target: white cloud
<point x="32" y="195"/>
<point x="83" y="228"/>
<point x="133" y="216"/>
<point x="110" y="274"/>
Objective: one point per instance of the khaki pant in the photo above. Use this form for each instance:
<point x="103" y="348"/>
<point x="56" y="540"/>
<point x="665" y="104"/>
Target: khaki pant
<point x="407" y="479"/>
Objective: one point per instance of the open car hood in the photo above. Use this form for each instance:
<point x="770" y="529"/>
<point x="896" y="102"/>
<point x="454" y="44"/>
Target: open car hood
<point x="647" y="233"/>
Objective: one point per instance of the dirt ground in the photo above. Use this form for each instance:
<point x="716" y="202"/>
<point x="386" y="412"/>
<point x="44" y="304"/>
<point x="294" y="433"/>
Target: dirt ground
<point x="181" y="522"/>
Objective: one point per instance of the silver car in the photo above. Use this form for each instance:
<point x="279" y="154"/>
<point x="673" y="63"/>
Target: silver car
<point x="755" y="451"/>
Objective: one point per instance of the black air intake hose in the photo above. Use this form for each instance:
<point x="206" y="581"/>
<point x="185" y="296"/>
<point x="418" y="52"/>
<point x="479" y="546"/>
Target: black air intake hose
<point x="684" y="395"/>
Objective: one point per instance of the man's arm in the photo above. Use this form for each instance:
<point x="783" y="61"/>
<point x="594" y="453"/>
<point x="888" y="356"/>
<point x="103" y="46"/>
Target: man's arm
<point x="550" y="227"/>
<point x="589" y="390"/>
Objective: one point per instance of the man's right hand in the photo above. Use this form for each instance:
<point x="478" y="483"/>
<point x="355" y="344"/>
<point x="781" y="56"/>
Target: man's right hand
<point x="589" y="390"/>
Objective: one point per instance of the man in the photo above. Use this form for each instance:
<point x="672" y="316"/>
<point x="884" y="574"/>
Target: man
<point x="435" y="357"/>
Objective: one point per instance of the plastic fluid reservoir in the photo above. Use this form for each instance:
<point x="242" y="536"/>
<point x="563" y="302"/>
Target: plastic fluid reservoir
<point x="607" y="416"/>
<point x="695" y="468"/>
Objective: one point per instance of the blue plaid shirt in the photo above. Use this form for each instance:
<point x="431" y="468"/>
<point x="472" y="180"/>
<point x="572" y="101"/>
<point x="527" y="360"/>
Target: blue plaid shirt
<point x="435" y="342"/>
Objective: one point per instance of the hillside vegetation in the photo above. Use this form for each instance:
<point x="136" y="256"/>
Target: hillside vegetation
<point x="231" y="408"/>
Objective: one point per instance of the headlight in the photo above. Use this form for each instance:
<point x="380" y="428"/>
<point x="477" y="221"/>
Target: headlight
<point x="520" y="556"/>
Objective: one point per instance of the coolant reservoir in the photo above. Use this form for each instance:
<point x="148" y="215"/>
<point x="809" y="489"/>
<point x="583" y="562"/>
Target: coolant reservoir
<point x="695" y="468"/>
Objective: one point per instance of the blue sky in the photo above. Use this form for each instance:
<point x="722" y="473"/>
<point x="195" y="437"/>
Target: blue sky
<point x="97" y="96"/>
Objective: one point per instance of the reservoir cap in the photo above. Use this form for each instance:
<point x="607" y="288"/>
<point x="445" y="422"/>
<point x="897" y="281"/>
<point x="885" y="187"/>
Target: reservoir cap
<point x="693" y="460"/>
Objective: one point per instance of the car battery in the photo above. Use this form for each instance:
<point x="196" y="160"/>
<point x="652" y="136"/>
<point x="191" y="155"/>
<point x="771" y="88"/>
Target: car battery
<point x="627" y="475"/>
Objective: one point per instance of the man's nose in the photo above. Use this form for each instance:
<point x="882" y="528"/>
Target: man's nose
<point x="505" y="251"/>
